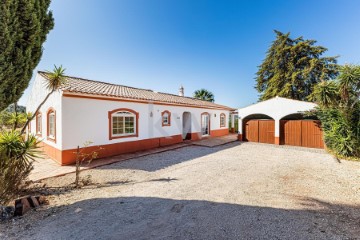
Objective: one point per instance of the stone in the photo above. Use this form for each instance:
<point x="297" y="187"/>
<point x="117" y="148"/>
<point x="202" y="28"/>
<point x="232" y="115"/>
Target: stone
<point x="42" y="200"/>
<point x="22" y="206"/>
<point x="6" y="213"/>
<point x="33" y="202"/>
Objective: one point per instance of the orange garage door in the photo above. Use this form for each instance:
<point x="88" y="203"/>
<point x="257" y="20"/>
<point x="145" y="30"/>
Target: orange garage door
<point x="259" y="131"/>
<point x="304" y="133"/>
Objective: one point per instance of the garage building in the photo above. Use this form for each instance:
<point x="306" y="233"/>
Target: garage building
<point x="280" y="121"/>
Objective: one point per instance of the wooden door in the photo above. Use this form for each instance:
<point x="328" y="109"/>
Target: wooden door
<point x="267" y="131"/>
<point x="304" y="133"/>
<point x="311" y="134"/>
<point x="290" y="132"/>
<point x="251" y="131"/>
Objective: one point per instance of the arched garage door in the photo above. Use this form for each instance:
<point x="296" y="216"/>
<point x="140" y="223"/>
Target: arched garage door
<point x="259" y="130"/>
<point x="304" y="133"/>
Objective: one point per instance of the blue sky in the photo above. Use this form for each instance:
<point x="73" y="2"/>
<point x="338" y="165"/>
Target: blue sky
<point x="217" y="45"/>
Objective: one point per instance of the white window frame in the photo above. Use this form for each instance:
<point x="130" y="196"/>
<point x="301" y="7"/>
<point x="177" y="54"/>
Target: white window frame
<point x="38" y="122"/>
<point x="166" y="116"/>
<point x="123" y="114"/>
<point x="52" y="125"/>
<point x="222" y="116"/>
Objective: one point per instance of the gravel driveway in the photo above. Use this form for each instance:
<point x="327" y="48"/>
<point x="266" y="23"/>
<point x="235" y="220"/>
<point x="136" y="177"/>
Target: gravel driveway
<point x="235" y="191"/>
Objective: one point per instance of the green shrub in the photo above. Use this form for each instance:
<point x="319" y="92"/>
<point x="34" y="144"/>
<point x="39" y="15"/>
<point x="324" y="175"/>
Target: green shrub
<point x="339" y="111"/>
<point x="341" y="134"/>
<point x="16" y="162"/>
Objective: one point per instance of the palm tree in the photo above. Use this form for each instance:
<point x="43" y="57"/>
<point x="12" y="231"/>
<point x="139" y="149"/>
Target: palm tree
<point x="204" y="94"/>
<point x="55" y="80"/>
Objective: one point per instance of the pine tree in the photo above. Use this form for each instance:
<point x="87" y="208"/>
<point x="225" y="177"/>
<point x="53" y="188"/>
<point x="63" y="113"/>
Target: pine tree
<point x="24" y="25"/>
<point x="292" y="67"/>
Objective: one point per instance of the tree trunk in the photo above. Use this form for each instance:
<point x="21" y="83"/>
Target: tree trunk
<point x="34" y="114"/>
<point x="16" y="117"/>
<point x="77" y="168"/>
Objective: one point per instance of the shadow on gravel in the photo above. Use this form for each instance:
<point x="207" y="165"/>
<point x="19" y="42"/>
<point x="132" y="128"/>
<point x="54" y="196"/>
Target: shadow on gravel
<point x="157" y="161"/>
<point x="158" y="218"/>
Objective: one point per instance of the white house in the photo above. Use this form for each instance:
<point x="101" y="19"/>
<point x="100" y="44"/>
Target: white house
<point x="280" y="121"/>
<point x="118" y="118"/>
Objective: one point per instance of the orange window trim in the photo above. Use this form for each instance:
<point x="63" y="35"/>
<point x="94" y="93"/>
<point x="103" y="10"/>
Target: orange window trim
<point x="125" y="110"/>
<point x="169" y="118"/>
<point x="38" y="118"/>
<point x="224" y="116"/>
<point x="206" y="113"/>
<point x="50" y="110"/>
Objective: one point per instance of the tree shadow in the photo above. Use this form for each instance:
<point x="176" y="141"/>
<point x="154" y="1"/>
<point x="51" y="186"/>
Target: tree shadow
<point x="160" y="218"/>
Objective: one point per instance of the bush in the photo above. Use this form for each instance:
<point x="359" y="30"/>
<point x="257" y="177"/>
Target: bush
<point x="16" y="162"/>
<point x="341" y="133"/>
<point x="339" y="111"/>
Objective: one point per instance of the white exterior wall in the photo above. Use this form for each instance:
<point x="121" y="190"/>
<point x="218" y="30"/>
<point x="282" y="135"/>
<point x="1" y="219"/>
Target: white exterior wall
<point x="37" y="95"/>
<point x="276" y="108"/>
<point x="85" y="119"/>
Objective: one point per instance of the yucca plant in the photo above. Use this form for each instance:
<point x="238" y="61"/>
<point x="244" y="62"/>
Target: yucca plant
<point x="16" y="162"/>
<point x="55" y="80"/>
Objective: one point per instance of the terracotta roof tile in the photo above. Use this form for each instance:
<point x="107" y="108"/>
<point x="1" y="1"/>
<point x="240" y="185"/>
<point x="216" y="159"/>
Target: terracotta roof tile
<point x="85" y="86"/>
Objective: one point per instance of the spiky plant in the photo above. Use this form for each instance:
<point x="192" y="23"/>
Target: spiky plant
<point x="204" y="94"/>
<point x="55" y="80"/>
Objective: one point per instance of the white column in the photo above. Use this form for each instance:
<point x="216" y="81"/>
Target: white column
<point x="232" y="120"/>
<point x="277" y="131"/>
<point x="240" y="129"/>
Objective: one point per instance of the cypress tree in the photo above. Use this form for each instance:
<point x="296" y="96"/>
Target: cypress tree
<point x="292" y="67"/>
<point x="24" y="25"/>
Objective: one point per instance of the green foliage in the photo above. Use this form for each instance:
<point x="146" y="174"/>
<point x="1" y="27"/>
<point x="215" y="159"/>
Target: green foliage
<point x="55" y="80"/>
<point x="9" y="119"/>
<point x="292" y="67"/>
<point x="24" y="25"/>
<point x="16" y="157"/>
<point x="339" y="111"/>
<point x="204" y="94"/>
<point x="341" y="134"/>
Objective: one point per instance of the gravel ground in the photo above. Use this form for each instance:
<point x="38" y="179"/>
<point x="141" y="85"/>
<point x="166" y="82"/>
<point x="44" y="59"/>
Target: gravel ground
<point x="235" y="191"/>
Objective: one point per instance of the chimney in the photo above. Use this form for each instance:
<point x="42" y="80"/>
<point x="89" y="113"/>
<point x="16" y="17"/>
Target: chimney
<point x="181" y="91"/>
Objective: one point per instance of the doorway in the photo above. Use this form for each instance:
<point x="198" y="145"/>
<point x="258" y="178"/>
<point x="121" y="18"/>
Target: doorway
<point x="186" y="133"/>
<point x="205" y="124"/>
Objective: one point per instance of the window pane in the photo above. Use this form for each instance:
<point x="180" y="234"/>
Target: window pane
<point x="123" y="123"/>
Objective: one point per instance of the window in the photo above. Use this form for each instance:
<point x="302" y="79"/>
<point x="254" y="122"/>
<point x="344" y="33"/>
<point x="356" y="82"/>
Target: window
<point x="123" y="123"/>
<point x="166" y="118"/>
<point x="38" y="123"/>
<point x="51" y="124"/>
<point x="222" y="120"/>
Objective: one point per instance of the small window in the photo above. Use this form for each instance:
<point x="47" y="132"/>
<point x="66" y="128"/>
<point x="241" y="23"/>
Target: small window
<point x="222" y="120"/>
<point x="38" y="124"/>
<point x="51" y="118"/>
<point x="166" y="118"/>
<point x="123" y="123"/>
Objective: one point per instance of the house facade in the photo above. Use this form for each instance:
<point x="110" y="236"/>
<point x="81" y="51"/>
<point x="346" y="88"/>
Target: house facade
<point x="117" y="118"/>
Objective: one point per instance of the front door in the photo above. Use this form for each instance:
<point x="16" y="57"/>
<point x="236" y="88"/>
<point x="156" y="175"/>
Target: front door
<point x="205" y="124"/>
